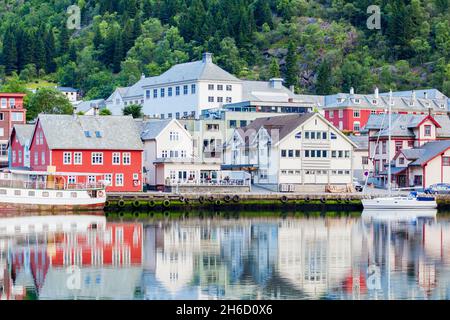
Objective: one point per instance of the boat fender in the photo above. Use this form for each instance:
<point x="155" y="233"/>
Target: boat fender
<point x="136" y="204"/>
<point x="186" y="200"/>
<point x="201" y="199"/>
<point x="348" y="200"/>
<point x="151" y="203"/>
<point x="323" y="200"/>
<point x="107" y="204"/>
<point x="284" y="199"/>
<point x="100" y="194"/>
<point x="236" y="198"/>
<point x="227" y="198"/>
<point x="218" y="202"/>
<point x="166" y="203"/>
<point x="182" y="199"/>
<point x="307" y="199"/>
<point x="121" y="203"/>
<point x="211" y="198"/>
<point x="166" y="213"/>
<point x="136" y="214"/>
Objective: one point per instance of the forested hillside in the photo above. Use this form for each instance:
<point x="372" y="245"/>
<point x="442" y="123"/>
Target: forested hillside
<point x="320" y="46"/>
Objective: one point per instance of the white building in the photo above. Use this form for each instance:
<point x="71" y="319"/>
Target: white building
<point x="293" y="152"/>
<point x="70" y="93"/>
<point x="169" y="155"/>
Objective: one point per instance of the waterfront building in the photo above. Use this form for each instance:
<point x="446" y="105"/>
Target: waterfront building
<point x="115" y="102"/>
<point x="19" y="146"/>
<point x="108" y="145"/>
<point x="169" y="156"/>
<point x="410" y="137"/>
<point x="12" y="112"/>
<point x="351" y="111"/>
<point x="292" y="153"/>
<point x="362" y="167"/>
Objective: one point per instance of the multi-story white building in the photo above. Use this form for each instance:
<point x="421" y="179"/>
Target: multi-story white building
<point x="169" y="155"/>
<point x="291" y="152"/>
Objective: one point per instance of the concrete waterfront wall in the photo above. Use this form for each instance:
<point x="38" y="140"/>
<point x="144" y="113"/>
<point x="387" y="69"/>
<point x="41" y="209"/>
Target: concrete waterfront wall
<point x="207" y="189"/>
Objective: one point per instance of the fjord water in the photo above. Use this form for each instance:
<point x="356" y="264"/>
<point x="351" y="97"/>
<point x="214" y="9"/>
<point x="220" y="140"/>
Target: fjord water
<point x="246" y="257"/>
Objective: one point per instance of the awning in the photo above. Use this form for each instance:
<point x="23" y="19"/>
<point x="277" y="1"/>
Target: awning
<point x="394" y="171"/>
<point x="249" y="167"/>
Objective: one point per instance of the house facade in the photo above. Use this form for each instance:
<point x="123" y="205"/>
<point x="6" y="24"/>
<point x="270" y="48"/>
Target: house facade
<point x="19" y="146"/>
<point x="169" y="156"/>
<point x="293" y="151"/>
<point x="351" y="112"/>
<point x="115" y="102"/>
<point x="72" y="94"/>
<point x="105" y="145"/>
<point x="409" y="132"/>
<point x="12" y="113"/>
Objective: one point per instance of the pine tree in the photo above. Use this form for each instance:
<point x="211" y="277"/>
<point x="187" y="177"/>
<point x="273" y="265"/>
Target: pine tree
<point x="98" y="39"/>
<point x="324" y="80"/>
<point x="262" y="13"/>
<point x="118" y="53"/>
<point x="292" y="69"/>
<point x="63" y="40"/>
<point x="24" y="49"/>
<point x="274" y="69"/>
<point x="50" y="52"/>
<point x="9" y="55"/>
<point x="39" y="50"/>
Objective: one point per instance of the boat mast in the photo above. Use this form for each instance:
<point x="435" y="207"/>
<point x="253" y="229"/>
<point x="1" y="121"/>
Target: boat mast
<point x="389" y="144"/>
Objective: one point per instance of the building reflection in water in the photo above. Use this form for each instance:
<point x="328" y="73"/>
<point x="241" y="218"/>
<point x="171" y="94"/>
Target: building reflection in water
<point x="86" y="257"/>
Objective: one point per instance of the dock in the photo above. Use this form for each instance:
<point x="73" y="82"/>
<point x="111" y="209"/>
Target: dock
<point x="245" y="201"/>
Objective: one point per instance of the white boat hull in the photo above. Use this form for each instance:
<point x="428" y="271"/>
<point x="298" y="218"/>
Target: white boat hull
<point x="398" y="203"/>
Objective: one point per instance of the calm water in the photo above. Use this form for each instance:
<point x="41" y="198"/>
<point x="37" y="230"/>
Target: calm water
<point x="92" y="257"/>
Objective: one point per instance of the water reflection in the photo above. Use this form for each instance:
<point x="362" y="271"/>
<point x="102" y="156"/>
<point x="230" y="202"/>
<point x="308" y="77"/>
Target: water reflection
<point x="88" y="257"/>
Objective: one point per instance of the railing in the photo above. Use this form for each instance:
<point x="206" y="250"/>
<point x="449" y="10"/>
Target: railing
<point x="212" y="182"/>
<point x="43" y="185"/>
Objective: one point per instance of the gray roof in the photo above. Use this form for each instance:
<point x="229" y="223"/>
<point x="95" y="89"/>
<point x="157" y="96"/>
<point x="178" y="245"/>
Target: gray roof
<point x="67" y="89"/>
<point x="68" y="132"/>
<point x="430" y="93"/>
<point x="402" y="124"/>
<point x="151" y="128"/>
<point x="361" y="141"/>
<point x="413" y="154"/>
<point x="24" y="132"/>
<point x="85" y="106"/>
<point x="431" y="150"/>
<point x="279" y="125"/>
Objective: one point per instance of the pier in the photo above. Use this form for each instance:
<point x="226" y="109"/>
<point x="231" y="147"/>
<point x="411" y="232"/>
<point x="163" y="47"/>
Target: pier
<point x="243" y="201"/>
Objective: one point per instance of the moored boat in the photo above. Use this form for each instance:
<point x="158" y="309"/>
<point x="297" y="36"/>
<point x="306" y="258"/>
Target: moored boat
<point x="49" y="191"/>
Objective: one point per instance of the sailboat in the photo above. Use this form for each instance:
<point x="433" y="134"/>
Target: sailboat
<point x="413" y="201"/>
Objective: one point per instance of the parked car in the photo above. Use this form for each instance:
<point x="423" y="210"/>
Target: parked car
<point x="439" y="188"/>
<point x="358" y="186"/>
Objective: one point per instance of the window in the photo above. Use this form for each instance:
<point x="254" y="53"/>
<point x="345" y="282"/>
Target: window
<point x="418" y="180"/>
<point x="298" y="136"/>
<point x="119" y="180"/>
<point x="306" y="153"/>
<point x="324" y="135"/>
<point x="365" y="160"/>
<point x="356" y="114"/>
<point x="169" y="115"/>
<point x="177" y="90"/>
<point x="2" y="132"/>
<point x="243" y="123"/>
<point x="3" y="103"/>
<point x="229" y="100"/>
<point x="313" y="135"/>
<point x="116" y="158"/>
<point x="177" y="115"/>
<point x="210" y="99"/>
<point x="297" y="154"/>
<point x="446" y="161"/>
<point x="67" y="158"/>
<point x="233" y="123"/>
<point x="398" y="145"/>
<point x="126" y="159"/>
<point x="220" y="87"/>
<point x="147" y="94"/>
<point x="155" y="93"/>
<point x="43" y="157"/>
<point x="169" y="92"/>
<point x="410" y="144"/>
<point x="1" y="116"/>
<point x="97" y="158"/>
<point x="14" y="159"/>
<point x="283" y="153"/>
<point x="331" y="114"/>
<point x="401" y="160"/>
<point x="373" y="112"/>
<point x="87" y="134"/>
<point x="220" y="99"/>
<point x="341" y="114"/>
<point x="384" y="147"/>
<point x="36" y="158"/>
<point x="174" y="136"/>
<point x="428" y="131"/>
<point x="193" y="89"/>
<point x="357" y="101"/>
<point x="108" y="177"/>
<point x="183" y="153"/>
<point x="291" y="153"/>
<point x="356" y="126"/>
<point x="229" y="87"/>
<point x="91" y="179"/>
<point x="17" y="116"/>
<point x="163" y="92"/>
<point x="185" y="90"/>
<point x="210" y="87"/>
<point x="3" y="149"/>
<point x="164" y="154"/>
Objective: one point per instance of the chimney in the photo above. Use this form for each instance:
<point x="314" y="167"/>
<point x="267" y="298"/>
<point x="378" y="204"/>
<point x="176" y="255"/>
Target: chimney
<point x="377" y="93"/>
<point x="142" y="76"/>
<point x="292" y="88"/>
<point x="413" y="95"/>
<point x="276" y="83"/>
<point x="96" y="108"/>
<point x="207" y="57"/>
<point x="425" y="95"/>
<point x="352" y="90"/>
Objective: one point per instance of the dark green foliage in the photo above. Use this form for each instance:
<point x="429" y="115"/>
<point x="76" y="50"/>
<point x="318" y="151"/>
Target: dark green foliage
<point x="134" y="110"/>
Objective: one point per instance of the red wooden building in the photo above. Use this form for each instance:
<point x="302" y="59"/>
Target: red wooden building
<point x="106" y="145"/>
<point x="19" y="144"/>
<point x="11" y="112"/>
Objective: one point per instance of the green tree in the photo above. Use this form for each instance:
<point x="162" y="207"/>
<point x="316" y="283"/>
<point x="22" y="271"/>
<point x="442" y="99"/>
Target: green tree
<point x="292" y="69"/>
<point x="49" y="101"/>
<point x="324" y="84"/>
<point x="134" y="110"/>
<point x="105" y="112"/>
<point x="274" y="69"/>
<point x="9" y="54"/>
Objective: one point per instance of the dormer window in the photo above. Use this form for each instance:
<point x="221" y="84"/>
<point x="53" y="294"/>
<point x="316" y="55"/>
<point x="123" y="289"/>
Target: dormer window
<point x="98" y="134"/>
<point x="87" y="134"/>
<point x="411" y="103"/>
<point x="374" y="101"/>
<point x="340" y="100"/>
<point x="357" y="101"/>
